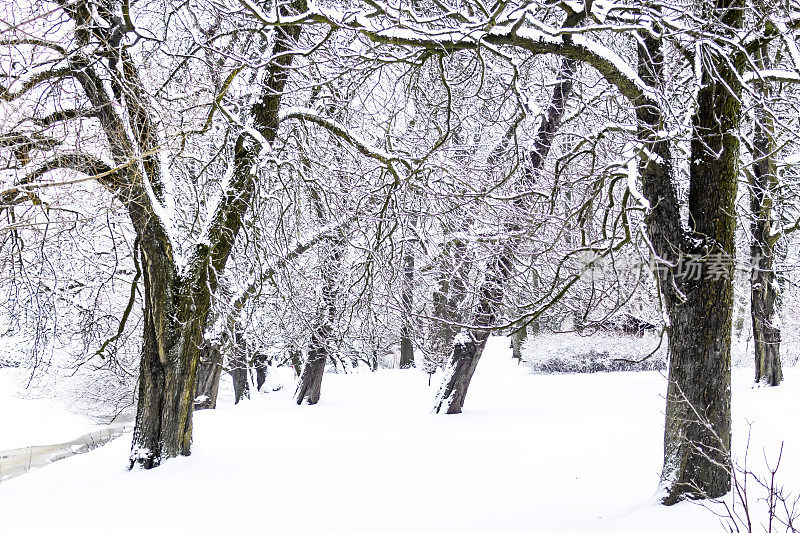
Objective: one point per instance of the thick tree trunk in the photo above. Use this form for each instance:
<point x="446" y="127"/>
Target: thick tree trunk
<point x="467" y="350"/>
<point x="177" y="306"/>
<point x="175" y="312"/>
<point x="697" y="433"/>
<point x="166" y="389"/>
<point x="763" y="285"/>
<point x="698" y="417"/>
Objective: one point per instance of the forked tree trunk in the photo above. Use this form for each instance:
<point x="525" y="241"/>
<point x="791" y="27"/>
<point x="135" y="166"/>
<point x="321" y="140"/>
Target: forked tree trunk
<point x="177" y="306"/>
<point x="173" y="324"/>
<point x="468" y="346"/>
<point x="176" y="300"/>
<point x="697" y="432"/>
<point x="763" y="285"/>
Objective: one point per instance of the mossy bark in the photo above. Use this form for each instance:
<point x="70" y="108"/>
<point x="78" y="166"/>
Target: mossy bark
<point x="697" y="432"/>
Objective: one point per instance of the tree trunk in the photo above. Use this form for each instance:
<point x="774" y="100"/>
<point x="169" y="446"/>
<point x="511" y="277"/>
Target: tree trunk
<point x="173" y="326"/>
<point x="238" y="367"/>
<point x="331" y="257"/>
<point x="209" y="372"/>
<point x="310" y="386"/>
<point x="763" y="285"/>
<point x="697" y="432"/>
<point x="406" y="347"/>
<point x="296" y="357"/>
<point x="698" y="427"/>
<point x="407" y="305"/>
<point x="468" y="347"/>
<point x="517" y="339"/>
<point x="176" y="306"/>
<point x="448" y="299"/>
<point x="261" y="367"/>
<point x="467" y="350"/>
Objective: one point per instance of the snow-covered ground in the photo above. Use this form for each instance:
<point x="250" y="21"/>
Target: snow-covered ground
<point x="543" y="453"/>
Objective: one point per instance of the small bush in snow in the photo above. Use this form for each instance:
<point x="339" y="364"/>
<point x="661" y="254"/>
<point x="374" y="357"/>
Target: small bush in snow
<point x="550" y="353"/>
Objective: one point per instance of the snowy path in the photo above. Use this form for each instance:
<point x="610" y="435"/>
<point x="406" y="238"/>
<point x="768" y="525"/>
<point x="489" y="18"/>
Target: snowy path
<point x="531" y="453"/>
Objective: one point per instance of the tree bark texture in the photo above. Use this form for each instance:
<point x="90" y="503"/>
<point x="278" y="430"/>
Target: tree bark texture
<point x="238" y="367"/>
<point x="310" y="385"/>
<point x="209" y="372"/>
<point x="448" y="299"/>
<point x="468" y="346"/>
<point x="697" y="432"/>
<point x="517" y="339"/>
<point x="763" y="284"/>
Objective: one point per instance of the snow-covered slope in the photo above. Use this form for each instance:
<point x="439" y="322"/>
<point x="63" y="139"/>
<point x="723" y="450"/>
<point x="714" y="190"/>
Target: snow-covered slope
<point x="533" y="453"/>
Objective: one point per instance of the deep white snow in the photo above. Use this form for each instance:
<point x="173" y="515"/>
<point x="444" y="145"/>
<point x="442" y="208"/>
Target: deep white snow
<point x="533" y="453"/>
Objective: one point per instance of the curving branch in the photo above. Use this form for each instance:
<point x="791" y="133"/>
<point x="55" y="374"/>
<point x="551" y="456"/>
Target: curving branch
<point x="35" y="80"/>
<point x="341" y="131"/>
<point x="565" y="42"/>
